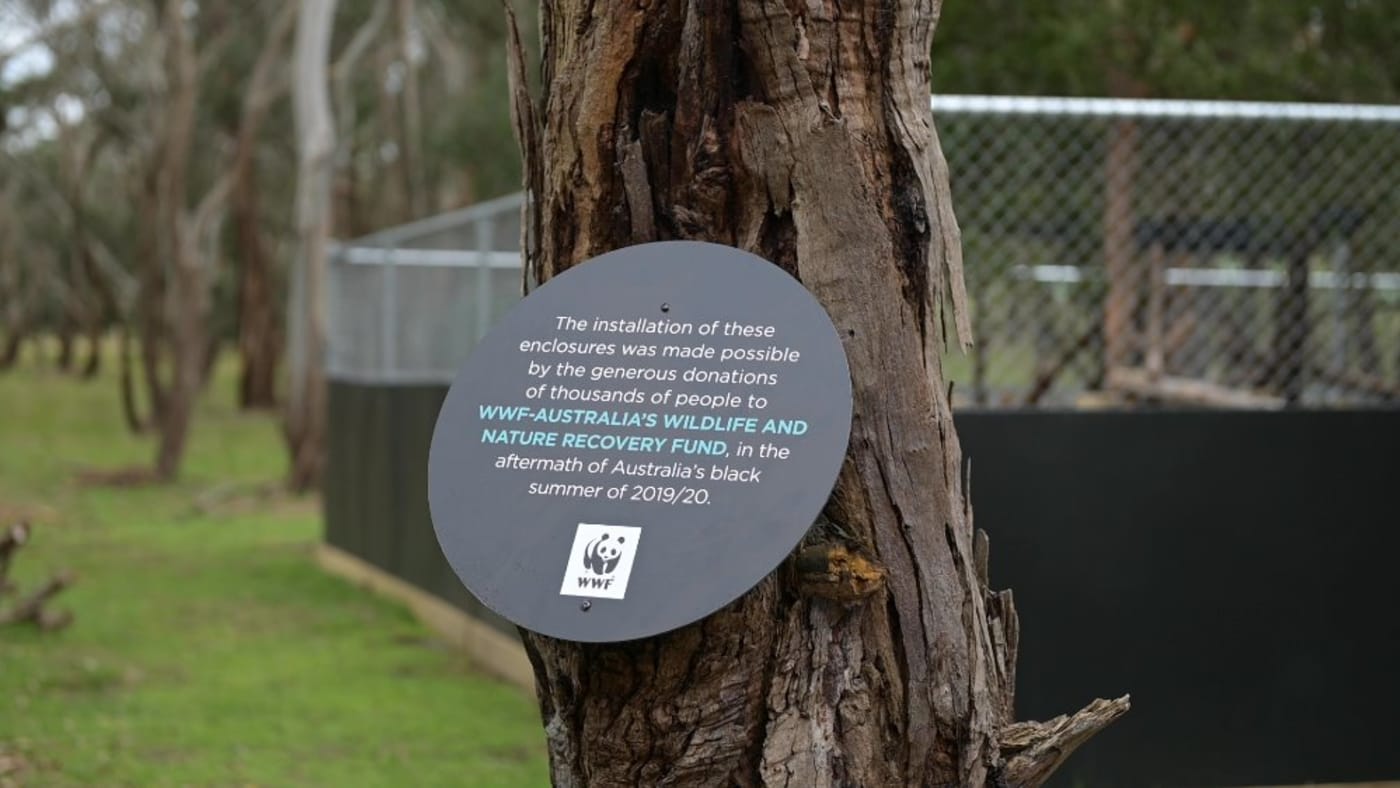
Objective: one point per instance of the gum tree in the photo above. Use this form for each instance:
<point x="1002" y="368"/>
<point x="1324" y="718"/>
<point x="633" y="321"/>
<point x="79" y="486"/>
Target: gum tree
<point x="877" y="654"/>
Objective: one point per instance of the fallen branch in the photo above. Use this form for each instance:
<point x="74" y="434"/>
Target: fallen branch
<point x="1186" y="391"/>
<point x="32" y="609"/>
<point x="1034" y="750"/>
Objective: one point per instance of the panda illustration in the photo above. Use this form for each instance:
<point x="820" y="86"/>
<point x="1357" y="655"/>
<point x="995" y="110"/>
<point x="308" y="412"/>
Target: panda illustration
<point x="602" y="556"/>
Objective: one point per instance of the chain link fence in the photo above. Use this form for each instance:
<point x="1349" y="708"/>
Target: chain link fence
<point x="406" y="305"/>
<point x="1188" y="253"/>
<point x="1119" y="253"/>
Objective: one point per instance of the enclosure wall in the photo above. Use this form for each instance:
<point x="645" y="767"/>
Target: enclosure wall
<point x="1234" y="571"/>
<point x="376" y="486"/>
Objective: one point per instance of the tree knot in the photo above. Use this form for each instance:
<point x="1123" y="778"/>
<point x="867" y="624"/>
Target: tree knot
<point x="838" y="573"/>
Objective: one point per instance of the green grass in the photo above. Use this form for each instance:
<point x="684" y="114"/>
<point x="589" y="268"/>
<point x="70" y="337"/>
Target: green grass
<point x="207" y="647"/>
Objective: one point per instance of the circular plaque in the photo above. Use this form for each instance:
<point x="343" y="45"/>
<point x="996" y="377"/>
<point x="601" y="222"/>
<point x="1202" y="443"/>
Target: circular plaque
<point x="639" y="441"/>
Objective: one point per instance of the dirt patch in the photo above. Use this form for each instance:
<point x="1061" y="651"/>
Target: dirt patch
<point x="13" y="767"/>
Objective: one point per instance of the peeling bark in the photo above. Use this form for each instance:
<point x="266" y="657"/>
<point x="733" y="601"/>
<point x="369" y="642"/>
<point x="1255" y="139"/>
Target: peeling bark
<point x="877" y="654"/>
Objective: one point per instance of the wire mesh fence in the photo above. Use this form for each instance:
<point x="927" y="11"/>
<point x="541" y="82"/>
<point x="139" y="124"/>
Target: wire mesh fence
<point x="1199" y="253"/>
<point x="1119" y="253"/>
<point x="406" y="305"/>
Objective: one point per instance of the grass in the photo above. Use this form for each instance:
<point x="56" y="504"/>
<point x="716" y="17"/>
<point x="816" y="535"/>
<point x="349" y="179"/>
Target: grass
<point x="207" y="648"/>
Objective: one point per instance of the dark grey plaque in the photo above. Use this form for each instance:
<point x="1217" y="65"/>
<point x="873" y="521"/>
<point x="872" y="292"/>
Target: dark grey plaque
<point x="683" y="450"/>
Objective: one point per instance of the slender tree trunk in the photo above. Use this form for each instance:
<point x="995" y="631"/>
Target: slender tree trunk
<point x="66" y="336"/>
<point x="258" y="341"/>
<point x="410" y="116"/>
<point x="150" y="299"/>
<point x="1125" y="298"/>
<point x="93" y="363"/>
<point x="1125" y="278"/>
<point x="13" y="314"/>
<point x="185" y="239"/>
<point x="305" y="424"/>
<point x="102" y="308"/>
<point x="9" y="350"/>
<point x="803" y="134"/>
<point x="131" y="413"/>
<point x="186" y="334"/>
<point x="347" y="187"/>
<point x="259" y="335"/>
<point x="1288" y="361"/>
<point x="19" y="280"/>
<point x="101" y="305"/>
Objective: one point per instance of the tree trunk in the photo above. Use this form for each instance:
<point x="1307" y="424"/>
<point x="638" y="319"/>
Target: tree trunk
<point x="804" y="136"/>
<point x="259" y="340"/>
<point x="352" y="220"/>
<point x="258" y="343"/>
<point x="150" y="299"/>
<point x="101" y="304"/>
<point x="101" y="309"/>
<point x="186" y="335"/>
<point x="410" y="116"/>
<point x="1125" y="279"/>
<point x="126" y="383"/>
<point x="93" y="364"/>
<point x="9" y="350"/>
<point x="186" y="243"/>
<point x="1288" y="361"/>
<point x="305" y="424"/>
<point x="13" y="314"/>
<point x="67" y="334"/>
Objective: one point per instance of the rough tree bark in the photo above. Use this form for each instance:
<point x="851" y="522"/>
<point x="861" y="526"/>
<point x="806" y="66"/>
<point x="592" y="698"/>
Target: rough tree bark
<point x="304" y="425"/>
<point x="800" y="132"/>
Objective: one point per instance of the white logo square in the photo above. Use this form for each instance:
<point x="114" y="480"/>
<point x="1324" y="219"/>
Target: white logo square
<point x="600" y="561"/>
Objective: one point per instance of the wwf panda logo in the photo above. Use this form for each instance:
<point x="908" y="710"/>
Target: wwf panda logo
<point x="601" y="555"/>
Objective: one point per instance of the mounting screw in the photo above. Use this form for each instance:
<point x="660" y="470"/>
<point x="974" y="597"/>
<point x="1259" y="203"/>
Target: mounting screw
<point x="665" y="307"/>
<point x="585" y="605"/>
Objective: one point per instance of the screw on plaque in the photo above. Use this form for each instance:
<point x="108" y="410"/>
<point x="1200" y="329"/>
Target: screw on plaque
<point x="665" y="307"/>
<point x="585" y="605"/>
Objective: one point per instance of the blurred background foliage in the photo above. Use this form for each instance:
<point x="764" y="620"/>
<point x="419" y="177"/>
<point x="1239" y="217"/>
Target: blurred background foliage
<point x="89" y="100"/>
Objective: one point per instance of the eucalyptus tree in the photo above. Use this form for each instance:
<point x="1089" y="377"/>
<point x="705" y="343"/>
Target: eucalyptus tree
<point x="802" y="133"/>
